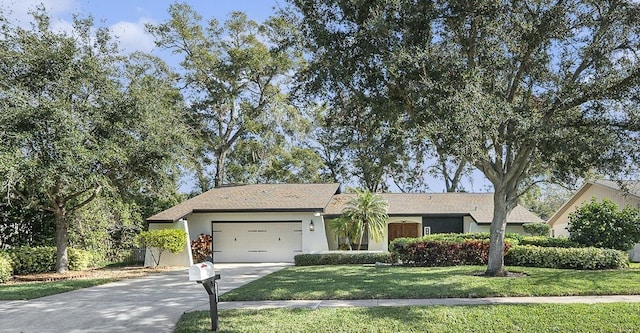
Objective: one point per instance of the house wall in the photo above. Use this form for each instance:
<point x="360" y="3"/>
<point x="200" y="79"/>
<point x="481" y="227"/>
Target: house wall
<point x="312" y="241"/>
<point x="171" y="259"/>
<point x="559" y="224"/>
<point x="471" y="226"/>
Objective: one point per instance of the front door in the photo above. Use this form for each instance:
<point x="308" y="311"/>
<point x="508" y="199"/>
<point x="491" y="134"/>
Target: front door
<point x="397" y="230"/>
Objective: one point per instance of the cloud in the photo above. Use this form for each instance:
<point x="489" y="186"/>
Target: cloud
<point x="132" y="36"/>
<point x="17" y="11"/>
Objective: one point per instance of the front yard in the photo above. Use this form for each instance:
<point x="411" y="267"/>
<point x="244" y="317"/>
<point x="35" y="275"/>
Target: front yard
<point x="538" y="318"/>
<point x="360" y="282"/>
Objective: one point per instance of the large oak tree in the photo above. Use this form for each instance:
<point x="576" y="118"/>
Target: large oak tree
<point x="520" y="89"/>
<point x="78" y="118"/>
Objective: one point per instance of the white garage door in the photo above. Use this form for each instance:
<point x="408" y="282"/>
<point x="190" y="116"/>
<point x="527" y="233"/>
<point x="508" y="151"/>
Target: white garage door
<point x="256" y="241"/>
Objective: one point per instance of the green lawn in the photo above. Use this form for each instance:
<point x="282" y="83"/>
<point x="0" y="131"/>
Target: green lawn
<point x="613" y="317"/>
<point x="359" y="282"/>
<point x="33" y="290"/>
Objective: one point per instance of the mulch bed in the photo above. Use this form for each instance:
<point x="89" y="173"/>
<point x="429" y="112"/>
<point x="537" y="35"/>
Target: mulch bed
<point x="118" y="273"/>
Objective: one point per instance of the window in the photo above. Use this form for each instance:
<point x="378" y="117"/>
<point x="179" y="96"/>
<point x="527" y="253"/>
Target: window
<point x="427" y="231"/>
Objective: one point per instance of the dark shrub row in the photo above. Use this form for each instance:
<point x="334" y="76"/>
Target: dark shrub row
<point x="588" y="258"/>
<point x="6" y="270"/>
<point x="422" y="252"/>
<point x="342" y="258"/>
<point x="548" y="242"/>
<point x="41" y="259"/>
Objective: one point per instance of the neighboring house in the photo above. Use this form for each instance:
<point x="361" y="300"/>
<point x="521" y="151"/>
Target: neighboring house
<point x="628" y="195"/>
<point x="274" y="222"/>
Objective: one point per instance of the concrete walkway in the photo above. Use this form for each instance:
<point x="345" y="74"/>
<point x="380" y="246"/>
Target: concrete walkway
<point x="153" y="303"/>
<point x="425" y="302"/>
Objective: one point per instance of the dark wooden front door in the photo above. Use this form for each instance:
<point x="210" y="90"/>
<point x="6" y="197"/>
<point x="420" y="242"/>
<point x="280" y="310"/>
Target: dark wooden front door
<point x="397" y="230"/>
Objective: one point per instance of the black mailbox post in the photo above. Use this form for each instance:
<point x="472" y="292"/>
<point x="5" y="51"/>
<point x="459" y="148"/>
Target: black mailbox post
<point x="204" y="274"/>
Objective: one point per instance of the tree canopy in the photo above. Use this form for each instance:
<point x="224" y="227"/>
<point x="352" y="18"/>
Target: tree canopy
<point x="233" y="75"/>
<point x="520" y="89"/>
<point x="79" y="118"/>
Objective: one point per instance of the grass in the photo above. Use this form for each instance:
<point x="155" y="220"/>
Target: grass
<point x="31" y="290"/>
<point x="359" y="282"/>
<point x="612" y="317"/>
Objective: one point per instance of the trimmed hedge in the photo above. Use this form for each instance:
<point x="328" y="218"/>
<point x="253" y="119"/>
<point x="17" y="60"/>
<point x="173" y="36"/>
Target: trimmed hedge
<point x="588" y="258"/>
<point x="510" y="237"/>
<point x="427" y="253"/>
<point x="42" y="259"/>
<point x="6" y="270"/>
<point x="548" y="242"/>
<point x="342" y="258"/>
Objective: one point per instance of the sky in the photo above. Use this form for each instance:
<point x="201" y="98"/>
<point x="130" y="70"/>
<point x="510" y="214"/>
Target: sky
<point x="126" y="20"/>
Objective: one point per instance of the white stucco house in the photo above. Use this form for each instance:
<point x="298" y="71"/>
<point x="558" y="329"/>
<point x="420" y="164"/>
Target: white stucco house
<point x="274" y="222"/>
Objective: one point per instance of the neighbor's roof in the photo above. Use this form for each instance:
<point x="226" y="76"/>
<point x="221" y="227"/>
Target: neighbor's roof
<point x="258" y="197"/>
<point x="478" y="205"/>
<point x="629" y="186"/>
<point x="632" y="187"/>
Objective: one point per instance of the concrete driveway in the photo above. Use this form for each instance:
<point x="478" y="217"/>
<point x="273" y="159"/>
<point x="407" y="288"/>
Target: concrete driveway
<point x="149" y="304"/>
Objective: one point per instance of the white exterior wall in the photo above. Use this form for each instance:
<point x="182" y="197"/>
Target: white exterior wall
<point x="559" y="227"/>
<point x="312" y="241"/>
<point x="171" y="259"/>
<point x="471" y="226"/>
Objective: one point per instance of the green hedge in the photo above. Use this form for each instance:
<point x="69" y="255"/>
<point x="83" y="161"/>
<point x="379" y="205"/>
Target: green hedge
<point x="42" y="259"/>
<point x="342" y="258"/>
<point x="427" y="253"/>
<point x="510" y="237"/>
<point x="588" y="258"/>
<point x="548" y="242"/>
<point x="6" y="270"/>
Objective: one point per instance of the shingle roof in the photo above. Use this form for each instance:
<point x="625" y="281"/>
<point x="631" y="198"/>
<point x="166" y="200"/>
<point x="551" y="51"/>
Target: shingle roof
<point x="477" y="205"/>
<point x="631" y="186"/>
<point x="258" y="197"/>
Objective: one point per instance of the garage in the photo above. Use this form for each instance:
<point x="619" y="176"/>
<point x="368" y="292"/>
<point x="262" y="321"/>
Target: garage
<point x="265" y="241"/>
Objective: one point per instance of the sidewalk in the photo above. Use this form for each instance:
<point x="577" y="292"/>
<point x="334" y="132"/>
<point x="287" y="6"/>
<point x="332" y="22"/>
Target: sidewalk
<point x="423" y="302"/>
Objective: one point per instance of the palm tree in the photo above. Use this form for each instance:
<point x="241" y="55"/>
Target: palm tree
<point x="366" y="211"/>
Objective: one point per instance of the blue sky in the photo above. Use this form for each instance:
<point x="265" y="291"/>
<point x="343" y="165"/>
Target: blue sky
<point x="126" y="19"/>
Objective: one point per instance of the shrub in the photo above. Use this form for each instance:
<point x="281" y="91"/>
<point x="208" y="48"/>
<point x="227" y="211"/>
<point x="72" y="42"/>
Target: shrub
<point x="537" y="229"/>
<point x="28" y="260"/>
<point x="6" y="269"/>
<point x="548" y="241"/>
<point x="42" y="259"/>
<point x="421" y="252"/>
<point x="512" y="238"/>
<point x="343" y="258"/>
<point x="80" y="259"/>
<point x="163" y="240"/>
<point x="602" y="224"/>
<point x="201" y="247"/>
<point x="589" y="258"/>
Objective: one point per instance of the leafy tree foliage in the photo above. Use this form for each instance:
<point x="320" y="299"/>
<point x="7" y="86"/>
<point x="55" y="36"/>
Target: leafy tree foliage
<point x="233" y="76"/>
<point x="366" y="212"/>
<point x="544" y="199"/>
<point x="162" y="240"/>
<point x="78" y="118"/>
<point x="603" y="224"/>
<point x="516" y="88"/>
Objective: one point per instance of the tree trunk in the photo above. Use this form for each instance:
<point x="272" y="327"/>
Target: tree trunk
<point x="495" y="266"/>
<point x="62" y="241"/>
<point x="220" y="169"/>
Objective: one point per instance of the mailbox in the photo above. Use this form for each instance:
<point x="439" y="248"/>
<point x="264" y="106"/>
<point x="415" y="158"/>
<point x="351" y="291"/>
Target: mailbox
<point x="201" y="271"/>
